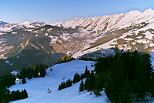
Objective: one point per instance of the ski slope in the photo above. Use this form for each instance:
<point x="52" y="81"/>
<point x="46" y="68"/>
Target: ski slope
<point x="37" y="88"/>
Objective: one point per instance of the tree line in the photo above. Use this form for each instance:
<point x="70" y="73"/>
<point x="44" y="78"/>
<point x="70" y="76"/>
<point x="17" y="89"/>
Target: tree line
<point x="76" y="79"/>
<point x="16" y="95"/>
<point x="36" y="71"/>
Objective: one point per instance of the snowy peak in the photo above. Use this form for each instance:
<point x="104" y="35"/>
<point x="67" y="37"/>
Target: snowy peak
<point x="149" y="10"/>
<point x="28" y="23"/>
<point x="25" y="23"/>
<point x="17" y="26"/>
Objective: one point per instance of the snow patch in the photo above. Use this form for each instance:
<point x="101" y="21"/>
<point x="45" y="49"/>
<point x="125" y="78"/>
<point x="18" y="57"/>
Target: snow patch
<point x="7" y="61"/>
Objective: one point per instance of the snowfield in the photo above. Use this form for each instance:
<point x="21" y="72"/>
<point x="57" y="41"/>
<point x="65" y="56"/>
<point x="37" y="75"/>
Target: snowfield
<point x="37" y="88"/>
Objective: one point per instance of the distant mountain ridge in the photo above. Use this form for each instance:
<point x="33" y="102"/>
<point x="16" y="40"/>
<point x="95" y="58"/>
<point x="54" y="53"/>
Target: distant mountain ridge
<point x="3" y="23"/>
<point x="16" y="26"/>
<point x="30" y="43"/>
<point x="129" y="31"/>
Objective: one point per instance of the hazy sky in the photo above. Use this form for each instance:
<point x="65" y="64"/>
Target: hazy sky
<point x="51" y="11"/>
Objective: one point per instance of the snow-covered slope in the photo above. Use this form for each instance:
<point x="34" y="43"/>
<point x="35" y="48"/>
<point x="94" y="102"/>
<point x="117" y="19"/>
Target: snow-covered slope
<point x="128" y="31"/>
<point x="37" y="88"/>
<point x="112" y="21"/>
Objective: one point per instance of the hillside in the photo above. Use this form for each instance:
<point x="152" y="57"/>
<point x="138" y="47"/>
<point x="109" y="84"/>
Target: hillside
<point x="61" y="72"/>
<point x="28" y="47"/>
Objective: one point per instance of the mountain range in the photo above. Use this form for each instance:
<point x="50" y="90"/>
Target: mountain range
<point x="30" y="43"/>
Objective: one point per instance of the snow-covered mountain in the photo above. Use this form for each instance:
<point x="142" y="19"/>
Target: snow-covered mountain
<point x="129" y="31"/>
<point x="17" y="26"/>
<point x="29" y="41"/>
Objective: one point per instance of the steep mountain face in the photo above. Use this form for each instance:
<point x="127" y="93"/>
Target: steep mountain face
<point x="26" y="47"/>
<point x="27" y="44"/>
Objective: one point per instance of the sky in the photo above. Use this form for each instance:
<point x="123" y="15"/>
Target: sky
<point x="52" y="11"/>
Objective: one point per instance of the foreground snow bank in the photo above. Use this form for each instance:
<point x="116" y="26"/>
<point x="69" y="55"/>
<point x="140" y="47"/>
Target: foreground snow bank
<point x="37" y="88"/>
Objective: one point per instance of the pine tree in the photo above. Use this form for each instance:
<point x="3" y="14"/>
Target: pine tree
<point x="23" y="81"/>
<point x="92" y="81"/>
<point x="68" y="83"/>
<point x="62" y="86"/>
<point x="42" y="72"/>
<point x="97" y="93"/>
<point x="87" y="84"/>
<point x="59" y="87"/>
<point x="86" y="73"/>
<point x="81" y="88"/>
<point x="82" y="76"/>
<point x="30" y="73"/>
<point x="25" y="94"/>
<point x="76" y="78"/>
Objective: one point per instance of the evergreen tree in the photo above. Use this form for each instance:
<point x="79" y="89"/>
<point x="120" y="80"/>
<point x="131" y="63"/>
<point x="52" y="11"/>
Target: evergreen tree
<point x="59" y="87"/>
<point x="25" y="93"/>
<point x="97" y="93"/>
<point x="42" y="72"/>
<point x="76" y="78"/>
<point x="30" y="76"/>
<point x="36" y="71"/>
<point x="92" y="81"/>
<point x="82" y="76"/>
<point x="87" y="84"/>
<point x="81" y="88"/>
<point x="62" y="86"/>
<point x="16" y="95"/>
<point x="68" y="83"/>
<point x="30" y="73"/>
<point x="86" y="73"/>
<point x="23" y="81"/>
